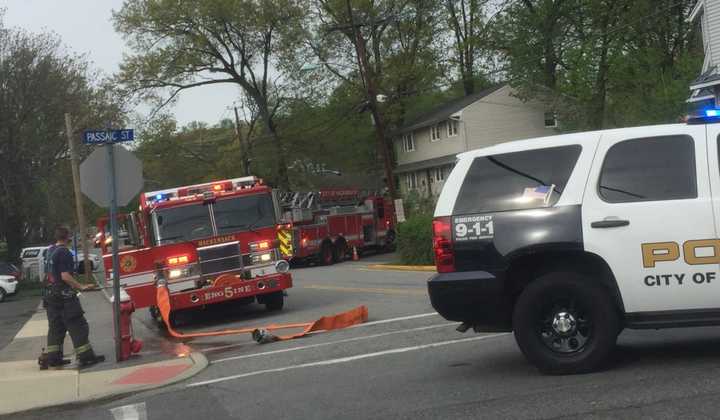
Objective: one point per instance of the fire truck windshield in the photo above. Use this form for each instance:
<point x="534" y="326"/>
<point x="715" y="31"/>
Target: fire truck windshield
<point x="193" y="221"/>
<point x="244" y="213"/>
<point x="184" y="223"/>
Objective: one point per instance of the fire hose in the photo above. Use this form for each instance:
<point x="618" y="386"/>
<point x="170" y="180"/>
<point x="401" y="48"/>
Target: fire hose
<point x="263" y="334"/>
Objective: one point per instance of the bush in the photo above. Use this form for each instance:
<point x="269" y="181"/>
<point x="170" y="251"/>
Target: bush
<point x="415" y="240"/>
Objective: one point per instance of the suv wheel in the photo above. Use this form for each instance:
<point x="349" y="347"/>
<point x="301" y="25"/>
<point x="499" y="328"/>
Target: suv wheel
<point x="565" y="323"/>
<point x="2" y="294"/>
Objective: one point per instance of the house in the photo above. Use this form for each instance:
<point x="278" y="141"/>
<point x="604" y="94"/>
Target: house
<point x="706" y="88"/>
<point x="426" y="147"/>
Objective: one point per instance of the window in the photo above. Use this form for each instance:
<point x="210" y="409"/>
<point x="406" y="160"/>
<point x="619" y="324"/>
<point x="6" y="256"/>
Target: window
<point x="516" y="181"/>
<point x="452" y="128"/>
<point x="408" y="142"/>
<point x="435" y="132"/>
<point x="649" y="169"/>
<point x="411" y="180"/>
<point x="550" y="120"/>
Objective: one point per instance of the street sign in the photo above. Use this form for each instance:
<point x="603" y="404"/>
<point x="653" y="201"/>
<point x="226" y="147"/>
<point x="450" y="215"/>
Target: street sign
<point x="94" y="176"/>
<point x="108" y="136"/>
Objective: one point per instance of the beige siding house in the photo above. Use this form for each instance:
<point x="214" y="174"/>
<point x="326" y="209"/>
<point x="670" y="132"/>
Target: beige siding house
<point x="426" y="147"/>
<point x="706" y="87"/>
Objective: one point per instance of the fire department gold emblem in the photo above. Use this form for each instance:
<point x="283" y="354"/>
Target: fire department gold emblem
<point x="128" y="263"/>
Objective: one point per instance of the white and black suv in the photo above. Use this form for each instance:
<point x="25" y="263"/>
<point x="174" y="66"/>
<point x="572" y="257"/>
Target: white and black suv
<point x="566" y="240"/>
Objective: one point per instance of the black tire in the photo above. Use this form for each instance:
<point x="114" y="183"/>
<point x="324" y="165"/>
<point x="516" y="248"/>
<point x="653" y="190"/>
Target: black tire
<point x="3" y="293"/>
<point x="326" y="254"/>
<point x="566" y="323"/>
<point x="340" y="251"/>
<point x="274" y="301"/>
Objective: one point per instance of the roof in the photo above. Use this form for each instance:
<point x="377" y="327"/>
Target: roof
<point x="575" y="138"/>
<point x="425" y="164"/>
<point x="444" y="111"/>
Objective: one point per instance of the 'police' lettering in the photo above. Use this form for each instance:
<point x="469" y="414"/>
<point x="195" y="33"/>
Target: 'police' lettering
<point x="659" y="251"/>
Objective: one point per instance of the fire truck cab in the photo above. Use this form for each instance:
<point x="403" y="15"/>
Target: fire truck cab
<point x="213" y="243"/>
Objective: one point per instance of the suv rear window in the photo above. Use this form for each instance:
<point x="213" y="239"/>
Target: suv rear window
<point x="516" y="181"/>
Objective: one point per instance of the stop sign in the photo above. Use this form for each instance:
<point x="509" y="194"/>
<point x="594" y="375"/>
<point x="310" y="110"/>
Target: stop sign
<point x="94" y="176"/>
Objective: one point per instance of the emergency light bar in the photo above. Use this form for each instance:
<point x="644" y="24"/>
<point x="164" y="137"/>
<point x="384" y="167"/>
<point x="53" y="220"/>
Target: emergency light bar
<point x="705" y="116"/>
<point x="228" y="185"/>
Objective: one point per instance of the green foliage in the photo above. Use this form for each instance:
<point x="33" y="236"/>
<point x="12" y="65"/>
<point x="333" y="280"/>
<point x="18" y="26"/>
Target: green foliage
<point x="40" y="82"/>
<point x="415" y="240"/>
<point x="603" y="63"/>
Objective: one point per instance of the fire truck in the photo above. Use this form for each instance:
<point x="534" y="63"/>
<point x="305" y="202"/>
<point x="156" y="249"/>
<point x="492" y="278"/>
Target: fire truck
<point x="327" y="226"/>
<point x="213" y="242"/>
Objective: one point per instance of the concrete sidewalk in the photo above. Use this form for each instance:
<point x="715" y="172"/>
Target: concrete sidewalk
<point x="24" y="387"/>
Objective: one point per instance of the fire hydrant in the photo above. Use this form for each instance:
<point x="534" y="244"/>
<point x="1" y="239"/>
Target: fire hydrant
<point x="128" y="344"/>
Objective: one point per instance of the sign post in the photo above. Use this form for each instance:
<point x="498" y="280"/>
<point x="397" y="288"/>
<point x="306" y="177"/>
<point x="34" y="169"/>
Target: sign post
<point x="112" y="197"/>
<point x="115" y="192"/>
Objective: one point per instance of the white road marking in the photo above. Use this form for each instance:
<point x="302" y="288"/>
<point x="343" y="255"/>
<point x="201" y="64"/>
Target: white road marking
<point x="130" y="412"/>
<point x="386" y="321"/>
<point x="344" y="359"/>
<point x="347" y="340"/>
<point x="366" y="324"/>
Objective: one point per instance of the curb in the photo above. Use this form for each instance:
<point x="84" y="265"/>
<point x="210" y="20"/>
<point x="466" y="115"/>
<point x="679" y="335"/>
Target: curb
<point x="398" y="267"/>
<point x="200" y="362"/>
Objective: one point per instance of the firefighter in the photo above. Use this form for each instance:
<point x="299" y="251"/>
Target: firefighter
<point x="64" y="312"/>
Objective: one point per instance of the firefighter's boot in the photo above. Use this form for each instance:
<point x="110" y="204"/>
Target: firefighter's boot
<point x="52" y="361"/>
<point x="89" y="358"/>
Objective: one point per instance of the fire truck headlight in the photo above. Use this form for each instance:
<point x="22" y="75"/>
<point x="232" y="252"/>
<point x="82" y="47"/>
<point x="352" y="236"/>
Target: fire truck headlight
<point x="282" y="266"/>
<point x="262" y="258"/>
<point x="177" y="273"/>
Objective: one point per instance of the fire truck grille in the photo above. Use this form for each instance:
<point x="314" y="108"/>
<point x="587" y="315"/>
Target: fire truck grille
<point x="220" y="258"/>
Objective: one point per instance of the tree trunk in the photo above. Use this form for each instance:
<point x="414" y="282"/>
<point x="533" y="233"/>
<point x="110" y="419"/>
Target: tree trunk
<point x="283" y="178"/>
<point x="14" y="236"/>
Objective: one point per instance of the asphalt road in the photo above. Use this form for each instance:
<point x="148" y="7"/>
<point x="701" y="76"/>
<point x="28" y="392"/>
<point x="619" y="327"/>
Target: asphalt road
<point x="408" y="362"/>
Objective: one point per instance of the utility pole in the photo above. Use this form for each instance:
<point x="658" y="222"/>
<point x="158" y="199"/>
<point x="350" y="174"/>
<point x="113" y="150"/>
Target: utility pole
<point x="243" y="150"/>
<point x="78" y="197"/>
<point x="368" y="78"/>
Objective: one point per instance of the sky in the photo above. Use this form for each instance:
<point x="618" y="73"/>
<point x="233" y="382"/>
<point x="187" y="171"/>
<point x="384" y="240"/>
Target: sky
<point x="85" y="27"/>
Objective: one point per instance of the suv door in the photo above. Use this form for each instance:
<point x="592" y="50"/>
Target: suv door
<point x="647" y="195"/>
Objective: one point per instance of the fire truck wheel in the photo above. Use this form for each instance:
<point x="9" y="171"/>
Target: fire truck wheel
<point x="326" y="254"/>
<point x="274" y="301"/>
<point x="340" y="250"/>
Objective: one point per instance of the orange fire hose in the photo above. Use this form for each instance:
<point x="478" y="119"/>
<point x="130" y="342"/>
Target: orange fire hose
<point x="261" y="335"/>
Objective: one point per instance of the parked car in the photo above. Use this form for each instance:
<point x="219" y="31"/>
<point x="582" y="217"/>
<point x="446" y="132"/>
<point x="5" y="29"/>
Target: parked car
<point x="33" y="261"/>
<point x="7" y="269"/>
<point x="95" y="262"/>
<point x="8" y="286"/>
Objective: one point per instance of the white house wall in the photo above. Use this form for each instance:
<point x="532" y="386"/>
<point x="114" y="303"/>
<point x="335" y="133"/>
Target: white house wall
<point x="425" y="149"/>
<point x="500" y="117"/>
<point x="712" y="30"/>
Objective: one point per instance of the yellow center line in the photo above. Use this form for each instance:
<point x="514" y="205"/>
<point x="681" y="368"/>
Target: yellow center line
<point x="411" y="292"/>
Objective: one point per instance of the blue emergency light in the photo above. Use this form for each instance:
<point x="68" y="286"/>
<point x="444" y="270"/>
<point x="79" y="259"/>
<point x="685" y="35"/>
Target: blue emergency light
<point x="712" y="112"/>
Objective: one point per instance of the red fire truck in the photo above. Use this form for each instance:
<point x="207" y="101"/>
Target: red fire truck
<point x="213" y="242"/>
<point x="328" y="224"/>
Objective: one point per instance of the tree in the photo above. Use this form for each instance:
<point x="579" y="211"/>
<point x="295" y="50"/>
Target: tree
<point x="39" y="82"/>
<point x="384" y="50"/>
<point x="183" y="44"/>
<point x="600" y="61"/>
<point x="466" y="21"/>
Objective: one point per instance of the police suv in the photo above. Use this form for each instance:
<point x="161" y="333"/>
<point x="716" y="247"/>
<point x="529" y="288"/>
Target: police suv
<point x="568" y="239"/>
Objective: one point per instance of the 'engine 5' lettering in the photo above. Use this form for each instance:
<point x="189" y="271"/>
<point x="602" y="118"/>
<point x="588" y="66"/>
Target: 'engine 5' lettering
<point x="655" y="252"/>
